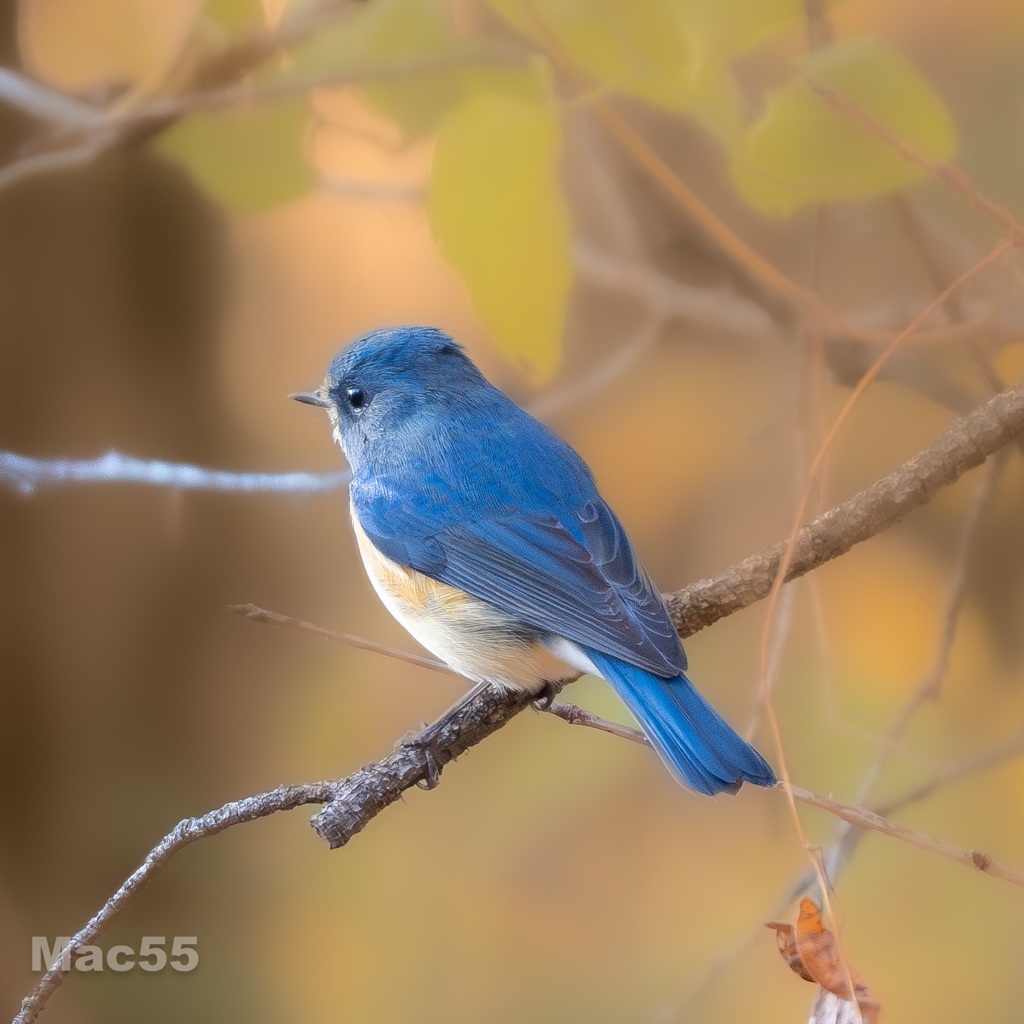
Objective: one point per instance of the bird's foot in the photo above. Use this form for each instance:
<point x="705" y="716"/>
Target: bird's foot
<point x="546" y="697"/>
<point x="435" y="741"/>
<point x="435" y="756"/>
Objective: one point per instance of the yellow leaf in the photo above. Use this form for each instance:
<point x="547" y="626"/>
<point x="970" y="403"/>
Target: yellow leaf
<point x="801" y="151"/>
<point x="726" y="28"/>
<point x="79" y="45"/>
<point x="639" y="49"/>
<point x="245" y="160"/>
<point x="235" y="14"/>
<point x="676" y="54"/>
<point x="496" y="208"/>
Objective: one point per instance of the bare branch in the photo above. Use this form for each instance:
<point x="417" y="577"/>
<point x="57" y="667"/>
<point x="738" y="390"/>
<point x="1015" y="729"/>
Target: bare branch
<point x="965" y="444"/>
<point x="257" y="614"/>
<point x="723" y="311"/>
<point x="47" y="104"/>
<point x="858" y="817"/>
<point x="574" y="715"/>
<point x="186" y="832"/>
<point x="27" y="475"/>
<point x="865" y="819"/>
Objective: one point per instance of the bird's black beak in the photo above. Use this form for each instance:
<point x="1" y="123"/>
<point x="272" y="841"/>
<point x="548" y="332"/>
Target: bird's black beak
<point x="311" y="398"/>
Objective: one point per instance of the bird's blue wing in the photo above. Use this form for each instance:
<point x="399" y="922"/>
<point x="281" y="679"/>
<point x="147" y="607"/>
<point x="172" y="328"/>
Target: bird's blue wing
<point x="571" y="575"/>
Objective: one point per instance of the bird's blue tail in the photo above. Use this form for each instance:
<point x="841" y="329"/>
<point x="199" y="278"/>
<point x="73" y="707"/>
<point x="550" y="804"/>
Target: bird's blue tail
<point x="697" y="744"/>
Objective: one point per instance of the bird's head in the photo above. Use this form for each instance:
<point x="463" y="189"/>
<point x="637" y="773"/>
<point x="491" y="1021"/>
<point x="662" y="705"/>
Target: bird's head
<point x="392" y="378"/>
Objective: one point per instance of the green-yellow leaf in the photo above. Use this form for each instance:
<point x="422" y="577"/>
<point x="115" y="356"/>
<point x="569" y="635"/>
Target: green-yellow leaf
<point x="635" y="48"/>
<point x="724" y="29"/>
<point x="496" y="209"/>
<point x="803" y="151"/>
<point x="245" y="160"/>
<point x="676" y="54"/>
<point x="235" y="14"/>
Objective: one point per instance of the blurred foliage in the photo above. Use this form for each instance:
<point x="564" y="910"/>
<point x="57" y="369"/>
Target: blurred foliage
<point x="246" y="160"/>
<point x="676" y="54"/>
<point x="801" y="151"/>
<point x="434" y="162"/>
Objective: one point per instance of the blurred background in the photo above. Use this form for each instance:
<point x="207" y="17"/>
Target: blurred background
<point x="170" y="273"/>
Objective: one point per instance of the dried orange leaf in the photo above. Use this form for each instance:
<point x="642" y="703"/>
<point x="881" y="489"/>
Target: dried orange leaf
<point x="785" y="935"/>
<point x="811" y="951"/>
<point x="819" y="951"/>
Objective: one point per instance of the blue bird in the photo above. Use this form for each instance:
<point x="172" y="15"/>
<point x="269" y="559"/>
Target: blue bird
<point x="483" y="533"/>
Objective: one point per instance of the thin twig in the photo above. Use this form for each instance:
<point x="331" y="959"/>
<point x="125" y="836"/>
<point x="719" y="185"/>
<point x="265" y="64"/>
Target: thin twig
<point x="861" y="817"/>
<point x="257" y="614"/>
<point x="218" y="83"/>
<point x="865" y="819"/>
<point x="244" y="95"/>
<point x="575" y="715"/>
<point x="839" y="853"/>
<point x="929" y="686"/>
<point x="1011" y="748"/>
<point x="665" y="296"/>
<point x="186" y="832"/>
<point x="949" y="175"/>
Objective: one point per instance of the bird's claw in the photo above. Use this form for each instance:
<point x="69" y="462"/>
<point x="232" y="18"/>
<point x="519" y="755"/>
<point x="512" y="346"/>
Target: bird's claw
<point x="426" y="742"/>
<point x="545" y="697"/>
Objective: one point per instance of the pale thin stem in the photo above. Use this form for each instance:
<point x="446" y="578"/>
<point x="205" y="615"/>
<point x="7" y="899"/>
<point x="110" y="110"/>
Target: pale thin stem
<point x="27" y="475"/>
<point x="257" y="614"/>
<point x="603" y="375"/>
<point x="40" y="101"/>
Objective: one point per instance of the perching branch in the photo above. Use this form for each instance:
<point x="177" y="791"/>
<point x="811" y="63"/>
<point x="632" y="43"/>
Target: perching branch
<point x="349" y="804"/>
<point x="966" y="443"/>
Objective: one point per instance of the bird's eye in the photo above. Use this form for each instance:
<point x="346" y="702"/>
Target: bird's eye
<point x="356" y="398"/>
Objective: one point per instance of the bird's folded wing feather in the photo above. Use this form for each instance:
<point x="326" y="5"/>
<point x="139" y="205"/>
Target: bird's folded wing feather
<point x="584" y="584"/>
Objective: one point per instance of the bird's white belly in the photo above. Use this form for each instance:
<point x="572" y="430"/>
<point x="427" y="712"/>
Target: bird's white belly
<point x="471" y="636"/>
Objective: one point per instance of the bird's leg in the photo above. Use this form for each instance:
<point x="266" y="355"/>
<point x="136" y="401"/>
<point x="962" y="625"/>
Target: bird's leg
<point x="429" y="738"/>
